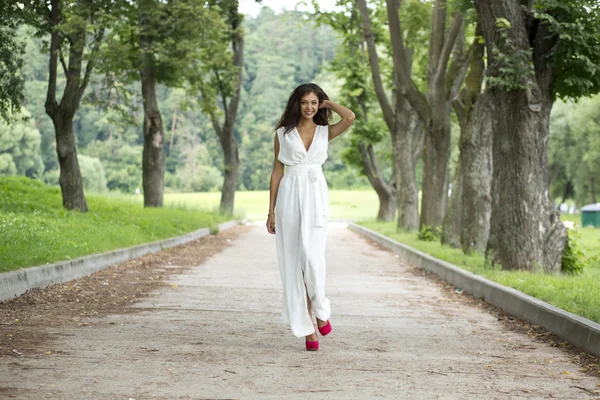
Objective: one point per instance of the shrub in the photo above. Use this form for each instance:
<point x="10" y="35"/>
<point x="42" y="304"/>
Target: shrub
<point x="429" y="233"/>
<point x="574" y="259"/>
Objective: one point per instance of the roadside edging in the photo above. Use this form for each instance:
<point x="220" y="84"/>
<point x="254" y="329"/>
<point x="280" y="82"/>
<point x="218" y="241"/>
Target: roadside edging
<point x="579" y="331"/>
<point x="15" y="283"/>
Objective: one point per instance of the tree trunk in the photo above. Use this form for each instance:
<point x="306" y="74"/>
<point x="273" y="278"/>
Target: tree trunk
<point x="476" y="160"/>
<point x="385" y="192"/>
<point x="436" y="155"/>
<point x="407" y="192"/>
<point x="592" y="188"/>
<point x="230" y="173"/>
<point x="525" y="231"/>
<point x="70" y="181"/>
<point x="153" y="157"/>
<point x="453" y="220"/>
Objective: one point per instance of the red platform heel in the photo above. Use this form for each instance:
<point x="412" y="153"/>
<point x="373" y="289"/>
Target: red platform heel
<point x="312" y="346"/>
<point x="325" y="330"/>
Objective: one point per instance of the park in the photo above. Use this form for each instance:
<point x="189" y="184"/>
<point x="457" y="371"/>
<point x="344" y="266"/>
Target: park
<point x="463" y="233"/>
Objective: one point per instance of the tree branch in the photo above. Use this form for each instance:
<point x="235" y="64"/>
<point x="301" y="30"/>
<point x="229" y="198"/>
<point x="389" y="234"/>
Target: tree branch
<point x="51" y="103"/>
<point x="438" y="77"/>
<point x="238" y="62"/>
<point x="408" y="86"/>
<point x="92" y="61"/>
<point x="222" y="92"/>
<point x="436" y="39"/>
<point x="386" y="108"/>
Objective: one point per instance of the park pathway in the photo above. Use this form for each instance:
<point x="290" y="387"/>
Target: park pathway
<point x="216" y="334"/>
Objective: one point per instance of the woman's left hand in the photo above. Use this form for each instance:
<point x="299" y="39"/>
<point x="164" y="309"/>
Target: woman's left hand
<point x="324" y="104"/>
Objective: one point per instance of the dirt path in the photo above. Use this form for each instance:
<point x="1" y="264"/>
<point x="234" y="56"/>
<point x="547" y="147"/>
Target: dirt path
<point x="170" y="330"/>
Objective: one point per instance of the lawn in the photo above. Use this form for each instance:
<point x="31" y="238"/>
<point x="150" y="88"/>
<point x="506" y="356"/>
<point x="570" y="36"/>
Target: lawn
<point x="343" y="204"/>
<point x="577" y="294"/>
<point x="35" y="229"/>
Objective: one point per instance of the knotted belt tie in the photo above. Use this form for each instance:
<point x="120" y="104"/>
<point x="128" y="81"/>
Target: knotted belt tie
<point x="313" y="171"/>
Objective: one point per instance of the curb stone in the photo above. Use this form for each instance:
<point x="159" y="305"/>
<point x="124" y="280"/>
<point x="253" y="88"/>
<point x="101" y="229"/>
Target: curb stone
<point x="15" y="283"/>
<point x="578" y="331"/>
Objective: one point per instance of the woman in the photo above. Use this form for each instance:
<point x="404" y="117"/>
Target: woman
<point x="299" y="207"/>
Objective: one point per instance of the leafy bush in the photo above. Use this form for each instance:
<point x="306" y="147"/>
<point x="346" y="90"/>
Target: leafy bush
<point x="574" y="258"/>
<point x="429" y="233"/>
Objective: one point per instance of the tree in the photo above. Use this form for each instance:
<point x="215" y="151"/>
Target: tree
<point x="77" y="30"/>
<point x="467" y="219"/>
<point x="537" y="51"/>
<point x="352" y="67"/>
<point x="223" y="81"/>
<point x="159" y="43"/>
<point x="402" y="122"/>
<point x="443" y="81"/>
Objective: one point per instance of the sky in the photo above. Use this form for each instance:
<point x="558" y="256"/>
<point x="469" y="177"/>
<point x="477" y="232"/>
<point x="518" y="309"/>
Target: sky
<point x="251" y="7"/>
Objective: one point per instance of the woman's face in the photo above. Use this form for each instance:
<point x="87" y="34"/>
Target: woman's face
<point x="309" y="105"/>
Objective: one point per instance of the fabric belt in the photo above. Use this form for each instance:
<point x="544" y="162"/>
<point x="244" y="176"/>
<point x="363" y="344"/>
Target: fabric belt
<point x="313" y="171"/>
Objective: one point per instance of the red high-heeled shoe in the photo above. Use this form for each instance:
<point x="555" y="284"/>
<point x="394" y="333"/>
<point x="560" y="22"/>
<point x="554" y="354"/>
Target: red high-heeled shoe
<point x="312" y="346"/>
<point x="325" y="330"/>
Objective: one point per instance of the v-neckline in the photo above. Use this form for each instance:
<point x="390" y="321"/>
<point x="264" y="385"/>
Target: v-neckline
<point x="311" y="142"/>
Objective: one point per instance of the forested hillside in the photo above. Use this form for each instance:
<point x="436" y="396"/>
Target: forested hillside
<point x="281" y="51"/>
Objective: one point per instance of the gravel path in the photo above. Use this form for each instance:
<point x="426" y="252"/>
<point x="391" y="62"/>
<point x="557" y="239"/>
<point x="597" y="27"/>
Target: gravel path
<point x="214" y="332"/>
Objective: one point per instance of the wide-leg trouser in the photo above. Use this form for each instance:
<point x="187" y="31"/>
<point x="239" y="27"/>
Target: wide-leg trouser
<point x="300" y="254"/>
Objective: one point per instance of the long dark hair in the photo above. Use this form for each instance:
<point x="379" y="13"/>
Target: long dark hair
<point x="291" y="115"/>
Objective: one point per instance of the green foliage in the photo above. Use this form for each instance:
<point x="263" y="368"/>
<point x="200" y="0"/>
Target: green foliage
<point x="37" y="230"/>
<point x="121" y="162"/>
<point x="579" y="294"/>
<point x="574" y="259"/>
<point x="576" y="55"/>
<point x="92" y="173"/>
<point x="430" y="234"/>
<point x="11" y="61"/>
<point x="20" y="147"/>
<point x="515" y="65"/>
<point x="574" y="150"/>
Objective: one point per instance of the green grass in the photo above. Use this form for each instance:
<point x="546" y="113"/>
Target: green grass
<point x="577" y="294"/>
<point x="35" y="229"/>
<point x="343" y="204"/>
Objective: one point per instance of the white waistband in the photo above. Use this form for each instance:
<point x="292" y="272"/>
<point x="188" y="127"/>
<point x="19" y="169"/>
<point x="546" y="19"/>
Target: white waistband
<point x="303" y="169"/>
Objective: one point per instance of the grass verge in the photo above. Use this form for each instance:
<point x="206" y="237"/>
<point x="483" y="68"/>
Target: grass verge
<point x="577" y="294"/>
<point x="35" y="229"/>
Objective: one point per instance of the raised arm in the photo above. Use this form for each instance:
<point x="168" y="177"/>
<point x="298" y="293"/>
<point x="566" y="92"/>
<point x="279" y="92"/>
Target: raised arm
<point x="347" y="115"/>
<point x="276" y="176"/>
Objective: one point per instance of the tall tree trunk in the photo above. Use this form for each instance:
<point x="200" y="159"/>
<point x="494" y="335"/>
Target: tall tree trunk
<point x="385" y="192"/>
<point x="467" y="219"/>
<point x="153" y="157"/>
<point x="525" y="231"/>
<point x="592" y="188"/>
<point x="436" y="156"/>
<point x="476" y="156"/>
<point x="63" y="112"/>
<point x="406" y="122"/>
<point x="230" y="172"/>
<point x="453" y="220"/>
<point x="71" y="185"/>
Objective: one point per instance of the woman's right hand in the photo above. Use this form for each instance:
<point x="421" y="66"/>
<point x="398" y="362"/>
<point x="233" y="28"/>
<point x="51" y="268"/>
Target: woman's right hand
<point x="271" y="224"/>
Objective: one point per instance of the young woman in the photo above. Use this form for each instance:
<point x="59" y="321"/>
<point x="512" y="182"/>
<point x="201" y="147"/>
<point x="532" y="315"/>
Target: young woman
<point x="299" y="206"/>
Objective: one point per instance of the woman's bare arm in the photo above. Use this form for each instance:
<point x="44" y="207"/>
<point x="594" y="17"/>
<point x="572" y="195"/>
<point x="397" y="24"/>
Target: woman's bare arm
<point x="276" y="176"/>
<point x="344" y="112"/>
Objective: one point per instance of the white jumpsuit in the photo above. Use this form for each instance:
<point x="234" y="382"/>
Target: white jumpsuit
<point x="301" y="211"/>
